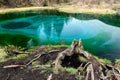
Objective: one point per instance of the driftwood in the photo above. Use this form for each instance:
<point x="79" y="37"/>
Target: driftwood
<point x="94" y="69"/>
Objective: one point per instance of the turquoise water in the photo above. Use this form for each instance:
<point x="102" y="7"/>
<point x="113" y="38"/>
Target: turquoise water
<point x="98" y="38"/>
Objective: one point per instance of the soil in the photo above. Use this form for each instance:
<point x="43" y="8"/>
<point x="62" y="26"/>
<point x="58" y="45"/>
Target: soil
<point x="43" y="68"/>
<point x="28" y="73"/>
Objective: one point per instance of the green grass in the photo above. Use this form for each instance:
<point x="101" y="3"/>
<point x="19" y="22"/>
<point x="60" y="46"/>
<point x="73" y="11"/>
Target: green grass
<point x="3" y="60"/>
<point x="58" y="46"/>
<point x="117" y="63"/>
<point x="83" y="59"/>
<point x="20" y="56"/>
<point x="103" y="60"/>
<point x="3" y="55"/>
<point x="35" y="63"/>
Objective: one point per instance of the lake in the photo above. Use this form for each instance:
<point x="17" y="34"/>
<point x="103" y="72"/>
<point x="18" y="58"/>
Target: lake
<point x="100" y="36"/>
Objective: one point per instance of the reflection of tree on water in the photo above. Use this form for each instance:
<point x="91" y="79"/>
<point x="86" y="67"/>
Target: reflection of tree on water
<point x="51" y="27"/>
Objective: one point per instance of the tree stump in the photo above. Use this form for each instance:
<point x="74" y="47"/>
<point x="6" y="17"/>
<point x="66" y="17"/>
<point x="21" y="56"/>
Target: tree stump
<point x="94" y="69"/>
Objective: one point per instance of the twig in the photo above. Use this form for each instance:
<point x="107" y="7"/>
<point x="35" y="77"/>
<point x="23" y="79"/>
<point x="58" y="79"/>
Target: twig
<point x="35" y="58"/>
<point x="13" y="66"/>
<point x="40" y="67"/>
<point x="39" y="55"/>
<point x="53" y="51"/>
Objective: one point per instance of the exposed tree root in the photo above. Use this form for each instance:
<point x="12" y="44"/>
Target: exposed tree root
<point x="94" y="69"/>
<point x="75" y="56"/>
<point x="50" y="77"/>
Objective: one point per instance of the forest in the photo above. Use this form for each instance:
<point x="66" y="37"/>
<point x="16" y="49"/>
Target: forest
<point x="89" y="3"/>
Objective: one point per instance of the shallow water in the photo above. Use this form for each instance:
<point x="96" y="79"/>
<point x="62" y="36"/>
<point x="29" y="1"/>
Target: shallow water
<point x="98" y="38"/>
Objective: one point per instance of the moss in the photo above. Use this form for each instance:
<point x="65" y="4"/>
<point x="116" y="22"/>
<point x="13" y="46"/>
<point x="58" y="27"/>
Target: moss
<point x="83" y="59"/>
<point x="106" y="61"/>
<point x="35" y="63"/>
<point x="59" y="46"/>
<point x="20" y="56"/>
<point x="101" y="60"/>
<point x="46" y="70"/>
<point x="3" y="54"/>
<point x="3" y="60"/>
<point x="117" y="63"/>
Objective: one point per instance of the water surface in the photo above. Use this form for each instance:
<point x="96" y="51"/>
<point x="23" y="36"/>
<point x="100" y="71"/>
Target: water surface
<point x="98" y="37"/>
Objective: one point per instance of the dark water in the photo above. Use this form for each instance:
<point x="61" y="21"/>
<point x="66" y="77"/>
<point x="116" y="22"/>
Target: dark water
<point x="98" y="37"/>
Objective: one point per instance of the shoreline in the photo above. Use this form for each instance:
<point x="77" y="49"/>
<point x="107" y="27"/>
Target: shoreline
<point x="61" y="9"/>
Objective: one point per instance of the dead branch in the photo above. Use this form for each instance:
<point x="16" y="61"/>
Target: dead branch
<point x="39" y="55"/>
<point x="35" y="58"/>
<point x="13" y="66"/>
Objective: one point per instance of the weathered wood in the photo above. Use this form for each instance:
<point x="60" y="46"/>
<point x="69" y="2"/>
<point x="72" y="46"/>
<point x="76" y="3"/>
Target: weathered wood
<point x="13" y="66"/>
<point x="50" y="77"/>
<point x="94" y="69"/>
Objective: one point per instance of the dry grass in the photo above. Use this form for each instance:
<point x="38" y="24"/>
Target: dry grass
<point x="67" y="9"/>
<point x="3" y="54"/>
<point x="3" y="11"/>
<point x="70" y="9"/>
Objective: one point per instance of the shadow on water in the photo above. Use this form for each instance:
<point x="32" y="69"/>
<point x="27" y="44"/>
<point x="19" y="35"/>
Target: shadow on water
<point x="54" y="27"/>
<point x="17" y="40"/>
<point x="111" y="19"/>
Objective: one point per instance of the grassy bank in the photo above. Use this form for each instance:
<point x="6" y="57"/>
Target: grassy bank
<point x="67" y="9"/>
<point x="8" y="10"/>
